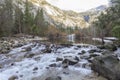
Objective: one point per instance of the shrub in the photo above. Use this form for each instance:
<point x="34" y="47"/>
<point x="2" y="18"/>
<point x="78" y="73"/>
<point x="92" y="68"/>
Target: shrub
<point x="55" y="35"/>
<point x="116" y="31"/>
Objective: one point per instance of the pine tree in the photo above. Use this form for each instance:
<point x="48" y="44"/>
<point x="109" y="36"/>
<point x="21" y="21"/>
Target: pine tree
<point x="28" y="18"/>
<point x="18" y="23"/>
<point x="6" y="16"/>
<point x="40" y="23"/>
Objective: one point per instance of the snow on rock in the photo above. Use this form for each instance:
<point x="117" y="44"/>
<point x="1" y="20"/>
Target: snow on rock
<point x="111" y="38"/>
<point x="100" y="40"/>
<point x="38" y="66"/>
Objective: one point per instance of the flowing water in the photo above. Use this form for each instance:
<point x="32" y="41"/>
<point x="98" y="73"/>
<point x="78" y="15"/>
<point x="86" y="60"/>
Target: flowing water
<point x="36" y="67"/>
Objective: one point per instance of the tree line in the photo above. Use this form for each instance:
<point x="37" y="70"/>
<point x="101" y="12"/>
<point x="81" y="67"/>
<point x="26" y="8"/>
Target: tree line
<point x="108" y="23"/>
<point x="16" y="20"/>
<point x="13" y="20"/>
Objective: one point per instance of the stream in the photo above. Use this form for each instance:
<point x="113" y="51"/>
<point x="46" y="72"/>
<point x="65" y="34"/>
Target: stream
<point x="34" y="61"/>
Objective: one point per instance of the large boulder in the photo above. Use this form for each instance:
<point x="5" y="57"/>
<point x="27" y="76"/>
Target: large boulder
<point x="110" y="47"/>
<point x="107" y="66"/>
<point x="70" y="61"/>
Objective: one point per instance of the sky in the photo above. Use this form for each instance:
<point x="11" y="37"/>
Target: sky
<point x="77" y="5"/>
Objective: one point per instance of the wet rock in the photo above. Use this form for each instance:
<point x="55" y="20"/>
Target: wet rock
<point x="79" y="46"/>
<point x="83" y="52"/>
<point x="107" y="52"/>
<point x="119" y="45"/>
<point x="29" y="55"/>
<point x="53" y="65"/>
<point x="12" y="64"/>
<point x="66" y="73"/>
<point x="17" y="71"/>
<point x="70" y="61"/>
<point x="47" y="50"/>
<point x="93" y="55"/>
<point x="59" y="59"/>
<point x="14" y="77"/>
<point x="107" y="66"/>
<point x="84" y="57"/>
<point x="54" y="78"/>
<point x="47" y="67"/>
<point x="64" y="66"/>
<point x="94" y="50"/>
<point x="76" y="48"/>
<point x="76" y="58"/>
<point x="28" y="49"/>
<point x="1" y="66"/>
<point x="101" y="46"/>
<point x="79" y="53"/>
<point x="21" y="75"/>
<point x="35" y="69"/>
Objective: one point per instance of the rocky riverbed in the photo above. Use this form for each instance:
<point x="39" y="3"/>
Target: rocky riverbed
<point x="41" y="61"/>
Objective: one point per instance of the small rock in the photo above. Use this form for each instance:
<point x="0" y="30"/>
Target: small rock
<point x="76" y="58"/>
<point x="59" y="59"/>
<point x="65" y="65"/>
<point x="83" y="52"/>
<point x="36" y="68"/>
<point x="93" y="55"/>
<point x="79" y="46"/>
<point x="70" y="62"/>
<point x="79" y="53"/>
<point x="47" y="67"/>
<point x="21" y="75"/>
<point x="29" y="55"/>
<point x="92" y="51"/>
<point x="101" y="47"/>
<point x="47" y="50"/>
<point x="14" y="77"/>
<point x="53" y="65"/>
<point x="84" y="57"/>
<point x="12" y="64"/>
<point x="28" y="49"/>
<point x="1" y="66"/>
<point x="17" y="71"/>
<point x="65" y="73"/>
<point x="76" y="48"/>
<point x="54" y="78"/>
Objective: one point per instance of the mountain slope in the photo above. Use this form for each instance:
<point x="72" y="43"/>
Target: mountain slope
<point x="56" y="16"/>
<point x="68" y="18"/>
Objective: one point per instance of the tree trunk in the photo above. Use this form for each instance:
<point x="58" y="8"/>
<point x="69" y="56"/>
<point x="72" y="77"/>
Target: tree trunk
<point x="103" y="41"/>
